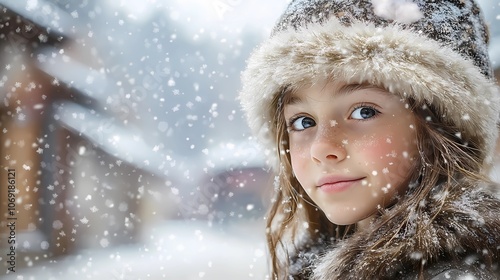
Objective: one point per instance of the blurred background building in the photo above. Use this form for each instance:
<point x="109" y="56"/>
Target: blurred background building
<point x="132" y="158"/>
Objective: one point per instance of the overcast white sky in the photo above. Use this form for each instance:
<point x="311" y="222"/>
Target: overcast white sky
<point x="220" y="15"/>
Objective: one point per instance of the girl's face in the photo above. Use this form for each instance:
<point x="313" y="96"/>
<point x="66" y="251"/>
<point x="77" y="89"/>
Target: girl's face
<point x="352" y="147"/>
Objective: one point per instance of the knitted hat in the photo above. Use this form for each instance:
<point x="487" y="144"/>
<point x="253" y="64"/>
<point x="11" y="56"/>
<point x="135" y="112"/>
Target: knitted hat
<point x="432" y="51"/>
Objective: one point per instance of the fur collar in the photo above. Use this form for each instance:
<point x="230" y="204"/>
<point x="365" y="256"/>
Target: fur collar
<point x="459" y="225"/>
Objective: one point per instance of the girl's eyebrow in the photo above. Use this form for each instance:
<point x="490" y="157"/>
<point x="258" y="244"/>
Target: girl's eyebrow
<point x="347" y="89"/>
<point x="290" y="98"/>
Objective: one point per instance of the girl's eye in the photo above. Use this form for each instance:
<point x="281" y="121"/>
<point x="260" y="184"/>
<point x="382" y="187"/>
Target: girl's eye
<point x="302" y="123"/>
<point x="364" y="112"/>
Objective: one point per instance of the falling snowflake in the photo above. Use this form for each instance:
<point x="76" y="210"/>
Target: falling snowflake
<point x="104" y="242"/>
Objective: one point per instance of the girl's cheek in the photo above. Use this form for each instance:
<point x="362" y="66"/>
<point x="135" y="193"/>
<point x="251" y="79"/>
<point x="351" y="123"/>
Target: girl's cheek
<point x="383" y="152"/>
<point x="373" y="144"/>
<point x="299" y="145"/>
<point x="298" y="155"/>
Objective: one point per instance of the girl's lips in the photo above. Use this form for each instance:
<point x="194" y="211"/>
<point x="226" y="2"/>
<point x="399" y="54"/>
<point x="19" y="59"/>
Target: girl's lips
<point x="337" y="184"/>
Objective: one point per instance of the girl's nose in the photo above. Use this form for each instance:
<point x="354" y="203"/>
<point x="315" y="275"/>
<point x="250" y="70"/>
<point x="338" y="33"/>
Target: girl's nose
<point x="328" y="148"/>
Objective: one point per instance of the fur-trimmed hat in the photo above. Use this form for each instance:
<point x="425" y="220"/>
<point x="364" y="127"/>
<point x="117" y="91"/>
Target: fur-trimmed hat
<point x="432" y="51"/>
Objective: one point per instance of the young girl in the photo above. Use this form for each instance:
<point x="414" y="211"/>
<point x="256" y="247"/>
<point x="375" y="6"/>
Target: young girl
<point x="382" y="118"/>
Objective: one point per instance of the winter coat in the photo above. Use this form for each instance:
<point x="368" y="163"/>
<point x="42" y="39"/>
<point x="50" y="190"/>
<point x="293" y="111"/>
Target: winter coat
<point x="452" y="234"/>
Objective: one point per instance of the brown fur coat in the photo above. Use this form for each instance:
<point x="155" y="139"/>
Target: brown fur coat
<point x="451" y="233"/>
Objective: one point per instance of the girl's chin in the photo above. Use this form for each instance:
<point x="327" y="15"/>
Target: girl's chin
<point x="360" y="221"/>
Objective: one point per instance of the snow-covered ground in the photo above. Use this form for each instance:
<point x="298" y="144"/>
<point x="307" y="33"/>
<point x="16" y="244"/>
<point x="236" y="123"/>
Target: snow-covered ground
<point x="175" y="250"/>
